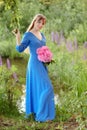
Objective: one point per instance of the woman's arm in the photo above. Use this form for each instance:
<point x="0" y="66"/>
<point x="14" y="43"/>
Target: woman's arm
<point x="21" y="44"/>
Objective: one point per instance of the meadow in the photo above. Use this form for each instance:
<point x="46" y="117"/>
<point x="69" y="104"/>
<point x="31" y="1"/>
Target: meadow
<point x="69" y="78"/>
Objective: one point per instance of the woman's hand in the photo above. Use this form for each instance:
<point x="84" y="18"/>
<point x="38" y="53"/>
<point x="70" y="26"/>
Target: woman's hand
<point x="16" y="32"/>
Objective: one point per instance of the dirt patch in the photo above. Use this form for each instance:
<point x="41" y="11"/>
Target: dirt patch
<point x="6" y="124"/>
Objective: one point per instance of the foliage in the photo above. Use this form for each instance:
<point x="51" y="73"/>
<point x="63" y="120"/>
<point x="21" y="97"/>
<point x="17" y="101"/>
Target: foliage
<point x="73" y="107"/>
<point x="11" y="6"/>
<point x="27" y="10"/>
<point x="79" y="32"/>
<point x="8" y="49"/>
<point x="68" y="75"/>
<point x="10" y="91"/>
<point x="9" y="17"/>
<point x="69" y="16"/>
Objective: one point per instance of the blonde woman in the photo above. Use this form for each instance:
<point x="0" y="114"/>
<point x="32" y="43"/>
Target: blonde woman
<point x="39" y="90"/>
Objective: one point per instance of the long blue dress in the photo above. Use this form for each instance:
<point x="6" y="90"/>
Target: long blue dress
<point x="39" y="90"/>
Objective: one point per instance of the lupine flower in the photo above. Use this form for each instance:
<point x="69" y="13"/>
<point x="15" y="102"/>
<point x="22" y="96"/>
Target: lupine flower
<point x="9" y="67"/>
<point x="61" y="39"/>
<point x="53" y="36"/>
<point x="84" y="56"/>
<point x="57" y="38"/>
<point x="8" y="64"/>
<point x="75" y="44"/>
<point x="85" y="44"/>
<point x="44" y="54"/>
<point x="69" y="46"/>
<point x="0" y="61"/>
<point x="15" y="77"/>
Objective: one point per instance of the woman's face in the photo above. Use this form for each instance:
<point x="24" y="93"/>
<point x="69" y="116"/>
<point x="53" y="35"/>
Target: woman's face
<point x="39" y="23"/>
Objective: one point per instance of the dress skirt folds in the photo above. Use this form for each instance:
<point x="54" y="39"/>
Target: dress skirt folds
<point x="39" y="89"/>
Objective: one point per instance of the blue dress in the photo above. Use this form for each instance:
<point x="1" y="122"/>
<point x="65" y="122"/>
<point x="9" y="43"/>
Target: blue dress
<point x="39" y="89"/>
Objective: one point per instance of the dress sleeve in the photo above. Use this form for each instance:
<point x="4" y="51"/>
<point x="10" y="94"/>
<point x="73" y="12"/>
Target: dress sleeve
<point x="24" y="43"/>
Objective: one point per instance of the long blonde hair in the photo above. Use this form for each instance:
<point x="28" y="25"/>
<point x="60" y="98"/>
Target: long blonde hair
<point x="40" y="17"/>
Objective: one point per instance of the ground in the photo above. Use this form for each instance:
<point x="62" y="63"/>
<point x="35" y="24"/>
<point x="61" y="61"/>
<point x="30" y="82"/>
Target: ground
<point x="11" y="124"/>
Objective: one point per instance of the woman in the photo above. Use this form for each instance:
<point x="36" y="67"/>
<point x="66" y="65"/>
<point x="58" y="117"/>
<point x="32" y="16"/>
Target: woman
<point x="39" y="90"/>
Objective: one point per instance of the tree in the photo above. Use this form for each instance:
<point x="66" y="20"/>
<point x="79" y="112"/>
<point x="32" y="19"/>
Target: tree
<point x="10" y="8"/>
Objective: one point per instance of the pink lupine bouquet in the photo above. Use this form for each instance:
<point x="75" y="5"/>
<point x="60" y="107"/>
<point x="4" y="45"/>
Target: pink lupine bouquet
<point x="45" y="55"/>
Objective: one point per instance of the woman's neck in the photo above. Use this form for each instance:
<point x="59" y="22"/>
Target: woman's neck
<point x="35" y="31"/>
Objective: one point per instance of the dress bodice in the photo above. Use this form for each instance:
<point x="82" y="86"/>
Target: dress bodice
<point x="31" y="41"/>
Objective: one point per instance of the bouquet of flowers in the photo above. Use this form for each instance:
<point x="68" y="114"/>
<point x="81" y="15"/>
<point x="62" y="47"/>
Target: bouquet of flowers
<point x="45" y="55"/>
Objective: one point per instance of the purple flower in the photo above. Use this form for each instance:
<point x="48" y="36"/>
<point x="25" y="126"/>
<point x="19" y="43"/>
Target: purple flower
<point x="84" y="56"/>
<point x="57" y="38"/>
<point x="8" y="64"/>
<point x="9" y="67"/>
<point x="75" y="44"/>
<point x="62" y="39"/>
<point x="85" y="44"/>
<point x="0" y="61"/>
<point x="15" y="77"/>
<point x="53" y="36"/>
<point x="69" y="46"/>
<point x="57" y="41"/>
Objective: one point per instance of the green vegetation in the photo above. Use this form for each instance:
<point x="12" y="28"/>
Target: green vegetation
<point x="10" y="91"/>
<point x="66" y="32"/>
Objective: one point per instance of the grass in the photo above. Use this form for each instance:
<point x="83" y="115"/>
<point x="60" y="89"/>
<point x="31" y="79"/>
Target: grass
<point x="19" y="123"/>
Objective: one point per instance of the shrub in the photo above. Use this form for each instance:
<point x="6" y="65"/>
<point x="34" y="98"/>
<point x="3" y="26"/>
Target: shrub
<point x="10" y="91"/>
